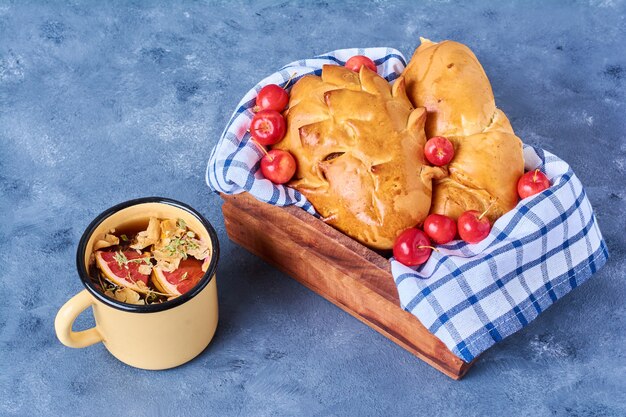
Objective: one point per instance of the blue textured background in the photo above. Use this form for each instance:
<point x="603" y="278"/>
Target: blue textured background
<point x="100" y="104"/>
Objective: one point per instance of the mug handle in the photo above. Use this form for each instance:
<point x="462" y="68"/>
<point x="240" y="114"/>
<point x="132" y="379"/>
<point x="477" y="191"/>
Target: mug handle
<point x="65" y="320"/>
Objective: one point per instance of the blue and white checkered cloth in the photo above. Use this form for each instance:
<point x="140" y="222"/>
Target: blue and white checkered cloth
<point x="469" y="295"/>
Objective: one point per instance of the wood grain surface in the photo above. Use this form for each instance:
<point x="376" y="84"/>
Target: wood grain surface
<point x="346" y="273"/>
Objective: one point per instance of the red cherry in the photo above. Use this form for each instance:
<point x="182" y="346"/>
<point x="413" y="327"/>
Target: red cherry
<point x="439" y="151"/>
<point x="531" y="183"/>
<point x="278" y="166"/>
<point x="473" y="226"/>
<point x="268" y="127"/>
<point x="272" y="97"/>
<point x="412" y="247"/>
<point x="356" y="62"/>
<point x="441" y="229"/>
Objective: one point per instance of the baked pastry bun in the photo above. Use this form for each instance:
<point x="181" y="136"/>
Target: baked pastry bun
<point x="359" y="147"/>
<point x="447" y="79"/>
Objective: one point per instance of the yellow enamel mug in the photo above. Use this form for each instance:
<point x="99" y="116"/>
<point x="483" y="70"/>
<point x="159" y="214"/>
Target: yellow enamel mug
<point x="154" y="336"/>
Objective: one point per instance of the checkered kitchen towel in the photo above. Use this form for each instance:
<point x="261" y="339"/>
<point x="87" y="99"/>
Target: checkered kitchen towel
<point x="469" y="296"/>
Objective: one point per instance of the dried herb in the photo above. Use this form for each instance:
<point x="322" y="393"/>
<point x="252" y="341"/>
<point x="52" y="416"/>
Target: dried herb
<point x="121" y="259"/>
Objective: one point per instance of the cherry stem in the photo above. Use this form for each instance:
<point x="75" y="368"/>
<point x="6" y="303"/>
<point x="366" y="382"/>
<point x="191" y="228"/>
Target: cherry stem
<point x="261" y="147"/>
<point x="486" y="210"/>
<point x="289" y="80"/>
<point x="430" y="247"/>
<point x="329" y="218"/>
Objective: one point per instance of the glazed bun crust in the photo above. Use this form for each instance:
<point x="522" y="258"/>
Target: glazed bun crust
<point x="447" y="79"/>
<point x="359" y="147"/>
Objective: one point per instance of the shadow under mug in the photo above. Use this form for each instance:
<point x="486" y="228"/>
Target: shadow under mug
<point x="154" y="336"/>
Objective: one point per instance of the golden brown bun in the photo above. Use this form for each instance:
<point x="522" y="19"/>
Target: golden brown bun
<point x="448" y="80"/>
<point x="359" y="144"/>
<point x="485" y="170"/>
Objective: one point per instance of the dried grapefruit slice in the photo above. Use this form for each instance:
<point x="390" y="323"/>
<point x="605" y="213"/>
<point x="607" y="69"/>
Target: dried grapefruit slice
<point x="181" y="280"/>
<point x="122" y="268"/>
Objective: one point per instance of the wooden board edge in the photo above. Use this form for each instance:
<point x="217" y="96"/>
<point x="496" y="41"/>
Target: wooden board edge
<point x="454" y="368"/>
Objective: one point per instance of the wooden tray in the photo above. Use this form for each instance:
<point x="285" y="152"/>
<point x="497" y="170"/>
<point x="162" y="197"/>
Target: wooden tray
<point x="338" y="268"/>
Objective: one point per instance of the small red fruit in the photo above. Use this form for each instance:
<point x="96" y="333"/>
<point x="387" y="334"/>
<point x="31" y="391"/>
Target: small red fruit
<point x="473" y="226"/>
<point x="441" y="229"/>
<point x="531" y="183"/>
<point x="439" y="151"/>
<point x="272" y="97"/>
<point x="278" y="166"/>
<point x="356" y="62"/>
<point x="412" y="247"/>
<point x="268" y="127"/>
